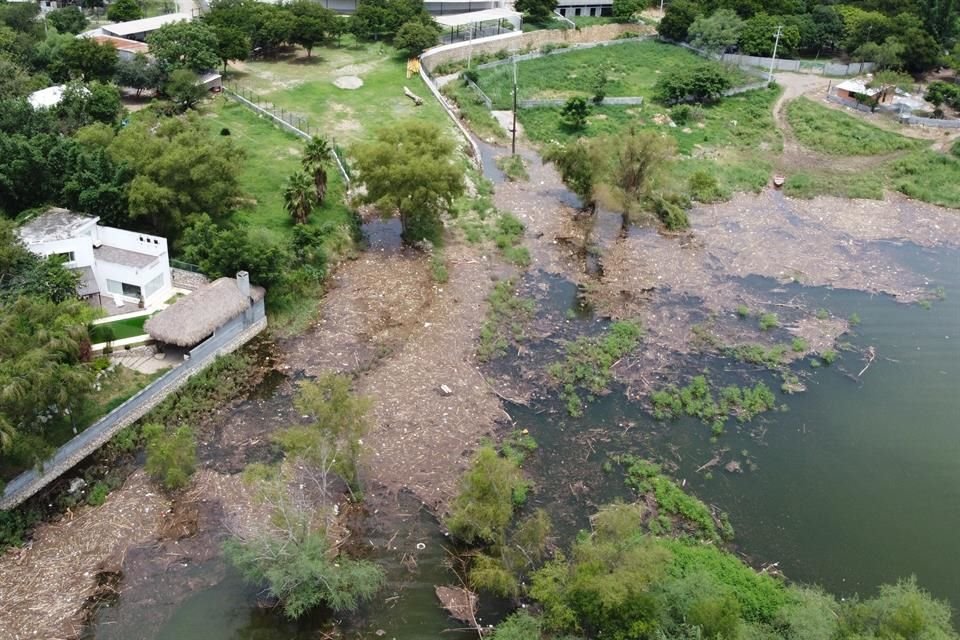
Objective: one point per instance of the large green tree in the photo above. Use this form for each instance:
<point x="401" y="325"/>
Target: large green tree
<point x="536" y="10"/>
<point x="67" y="20"/>
<point x="410" y="170"/>
<point x="179" y="169"/>
<point x="124" y="11"/>
<point x="679" y="15"/>
<point x="87" y="59"/>
<point x="232" y="44"/>
<point x="187" y="45"/>
<point x="413" y="38"/>
<point x="716" y="33"/>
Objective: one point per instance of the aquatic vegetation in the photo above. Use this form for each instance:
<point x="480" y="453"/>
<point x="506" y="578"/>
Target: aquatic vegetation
<point x="506" y="316"/>
<point x="828" y="356"/>
<point x="518" y="445"/>
<point x="587" y="362"/>
<point x="769" y="321"/>
<point x="854" y="319"/>
<point x="770" y="357"/>
<point x="799" y="345"/>
<point x="697" y="400"/>
<point x="514" y="168"/>
<point x="690" y="514"/>
<point x="743" y="311"/>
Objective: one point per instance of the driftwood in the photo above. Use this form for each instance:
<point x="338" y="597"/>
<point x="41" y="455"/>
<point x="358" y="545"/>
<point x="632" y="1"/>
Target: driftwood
<point x="871" y="356"/>
<point x="417" y="100"/>
<point x="461" y="603"/>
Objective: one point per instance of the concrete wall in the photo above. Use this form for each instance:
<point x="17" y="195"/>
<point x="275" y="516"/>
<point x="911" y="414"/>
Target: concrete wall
<point x="228" y="338"/>
<point x="513" y="42"/>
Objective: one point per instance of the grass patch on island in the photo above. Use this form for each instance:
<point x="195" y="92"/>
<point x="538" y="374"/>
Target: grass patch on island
<point x="833" y="132"/>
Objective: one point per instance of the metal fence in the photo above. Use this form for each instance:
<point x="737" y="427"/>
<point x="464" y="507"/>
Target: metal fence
<point x="185" y="266"/>
<point x="288" y="120"/>
<point x="226" y="339"/>
<point x="901" y="113"/>
<point x="559" y="102"/>
<point x="782" y="64"/>
<point x="486" y="99"/>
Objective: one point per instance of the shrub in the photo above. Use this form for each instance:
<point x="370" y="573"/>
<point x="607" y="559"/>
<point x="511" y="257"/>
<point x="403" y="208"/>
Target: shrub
<point x="829" y="356"/>
<point x="743" y="311"/>
<point x="769" y="321"/>
<point x="681" y="114"/>
<point x="799" y="345"/>
<point x="438" y="268"/>
<point x="704" y="187"/>
<point x="671" y="212"/>
<point x="471" y="74"/>
<point x="483" y="508"/>
<point x="98" y="494"/>
<point x="574" y="113"/>
<point x="518" y="626"/>
<point x="704" y="84"/>
<point x="302" y="574"/>
<point x="171" y="456"/>
<point x="489" y="574"/>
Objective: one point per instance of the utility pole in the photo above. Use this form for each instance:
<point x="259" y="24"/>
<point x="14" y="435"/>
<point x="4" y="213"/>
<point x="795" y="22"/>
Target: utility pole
<point x="661" y="8"/>
<point x="513" y="144"/>
<point x="776" y="43"/>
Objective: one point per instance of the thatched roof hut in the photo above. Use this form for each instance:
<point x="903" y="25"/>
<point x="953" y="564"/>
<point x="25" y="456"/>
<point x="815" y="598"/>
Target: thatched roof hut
<point x="189" y="320"/>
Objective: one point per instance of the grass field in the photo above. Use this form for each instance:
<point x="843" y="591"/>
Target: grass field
<point x="272" y="155"/>
<point x="741" y="121"/>
<point x="830" y="131"/>
<point x="305" y="87"/>
<point x="632" y="69"/>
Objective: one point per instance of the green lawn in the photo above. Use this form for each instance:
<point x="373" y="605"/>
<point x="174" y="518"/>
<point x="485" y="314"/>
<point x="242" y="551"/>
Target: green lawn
<point x="632" y="67"/>
<point x="474" y="111"/>
<point x="744" y="121"/>
<point x="118" y="329"/>
<point x="272" y="155"/>
<point x="305" y="87"/>
<point x="834" y="132"/>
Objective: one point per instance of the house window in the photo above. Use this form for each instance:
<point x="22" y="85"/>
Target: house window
<point x="123" y="289"/>
<point x="66" y="256"/>
<point x="576" y="11"/>
<point x="593" y="11"/>
<point x="153" y="286"/>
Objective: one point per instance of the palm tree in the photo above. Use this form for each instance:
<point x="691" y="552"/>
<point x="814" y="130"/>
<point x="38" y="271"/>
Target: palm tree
<point x="316" y="155"/>
<point x="298" y="197"/>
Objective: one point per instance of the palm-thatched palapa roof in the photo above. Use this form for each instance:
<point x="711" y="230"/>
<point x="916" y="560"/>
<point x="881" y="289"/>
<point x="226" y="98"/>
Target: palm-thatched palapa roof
<point x="189" y="320"/>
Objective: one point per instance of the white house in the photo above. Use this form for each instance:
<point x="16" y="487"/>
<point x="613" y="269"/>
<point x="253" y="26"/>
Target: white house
<point x="117" y="267"/>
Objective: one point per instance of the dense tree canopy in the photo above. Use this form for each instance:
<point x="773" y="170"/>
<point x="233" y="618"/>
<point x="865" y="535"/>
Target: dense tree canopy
<point x="910" y="35"/>
<point x="187" y="45"/>
<point x="409" y="170"/>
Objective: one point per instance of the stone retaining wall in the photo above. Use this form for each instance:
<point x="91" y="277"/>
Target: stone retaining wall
<point x="529" y="41"/>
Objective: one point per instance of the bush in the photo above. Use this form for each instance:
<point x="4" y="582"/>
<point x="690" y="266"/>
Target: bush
<point x="681" y="114"/>
<point x="704" y="84"/>
<point x="472" y="75"/>
<point x="769" y="321"/>
<point x="670" y="210"/>
<point x="704" y="187"/>
<point x="482" y="510"/>
<point x="171" y="456"/>
<point x="519" y="626"/>
<point x="98" y="494"/>
<point x="489" y="574"/>
<point x="302" y="574"/>
<point x="574" y="113"/>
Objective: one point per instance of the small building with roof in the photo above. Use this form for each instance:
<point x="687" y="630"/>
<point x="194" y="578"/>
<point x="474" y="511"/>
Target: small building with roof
<point x="126" y="49"/>
<point x="225" y="305"/>
<point x="115" y="266"/>
<point x="137" y="30"/>
<point x="857" y="89"/>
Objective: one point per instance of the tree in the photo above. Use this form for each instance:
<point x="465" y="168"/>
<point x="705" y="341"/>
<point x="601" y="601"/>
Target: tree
<point x="577" y="167"/>
<point x="574" y="113"/>
<point x="183" y="88"/>
<point x="335" y="434"/>
<point x="171" y="455"/>
<point x="67" y="20"/>
<point x="316" y="156"/>
<point x="84" y="104"/>
<point x="232" y="44"/>
<point x="299" y="197"/>
<point x="223" y="252"/>
<point x="536" y="10"/>
<point x="87" y="59"/>
<point x="922" y="51"/>
<point x="484" y="506"/>
<point x="179" y="169"/>
<point x="758" y="36"/>
<point x="716" y="33"/>
<point x="124" y="11"/>
<point x="290" y="553"/>
<point x="705" y="83"/>
<point x="415" y="37"/>
<point x="624" y="10"/>
<point x="637" y="159"/>
<point x="15" y="82"/>
<point x="375" y="19"/>
<point x="187" y="45"/>
<point x="679" y="15"/>
<point x="409" y="169"/>
<point x="600" y="82"/>
<point x="828" y="28"/>
<point x="888" y="55"/>
<point x="138" y="73"/>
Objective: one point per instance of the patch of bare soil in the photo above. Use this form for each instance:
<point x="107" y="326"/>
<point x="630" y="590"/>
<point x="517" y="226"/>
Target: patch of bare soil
<point x="44" y="586"/>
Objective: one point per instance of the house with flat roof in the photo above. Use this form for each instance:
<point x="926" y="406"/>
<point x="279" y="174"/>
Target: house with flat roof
<point x="118" y="269"/>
